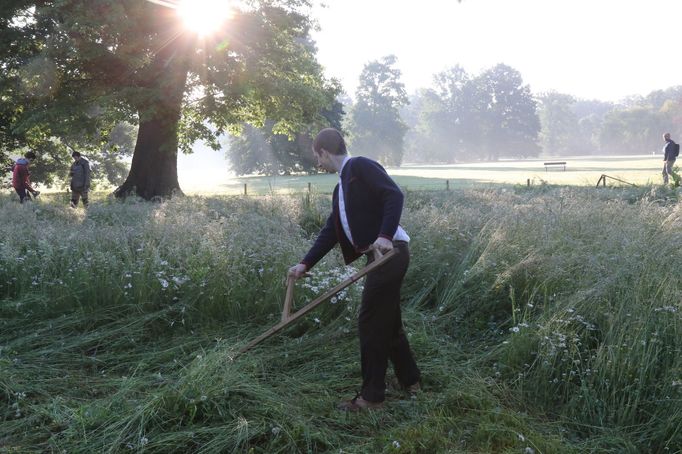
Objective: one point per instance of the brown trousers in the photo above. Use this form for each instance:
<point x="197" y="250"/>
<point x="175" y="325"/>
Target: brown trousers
<point x="77" y="195"/>
<point x="667" y="170"/>
<point x="380" y="327"/>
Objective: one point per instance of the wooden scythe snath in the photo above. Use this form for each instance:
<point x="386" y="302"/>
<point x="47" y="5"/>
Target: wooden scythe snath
<point x="289" y="318"/>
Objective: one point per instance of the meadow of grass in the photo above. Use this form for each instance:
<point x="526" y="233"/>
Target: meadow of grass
<point x="544" y="319"/>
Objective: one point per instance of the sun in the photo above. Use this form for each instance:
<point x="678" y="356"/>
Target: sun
<point x="205" y="16"/>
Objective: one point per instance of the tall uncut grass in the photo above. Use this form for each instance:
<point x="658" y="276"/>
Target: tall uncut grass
<point x="543" y="319"/>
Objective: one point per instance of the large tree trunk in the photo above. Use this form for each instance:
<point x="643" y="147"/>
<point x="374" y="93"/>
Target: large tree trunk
<point x="154" y="169"/>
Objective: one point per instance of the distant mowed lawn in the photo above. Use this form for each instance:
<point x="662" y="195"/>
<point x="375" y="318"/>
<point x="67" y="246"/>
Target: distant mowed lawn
<point x="580" y="171"/>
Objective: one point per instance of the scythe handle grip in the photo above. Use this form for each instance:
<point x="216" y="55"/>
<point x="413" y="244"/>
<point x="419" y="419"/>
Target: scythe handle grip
<point x="286" y="309"/>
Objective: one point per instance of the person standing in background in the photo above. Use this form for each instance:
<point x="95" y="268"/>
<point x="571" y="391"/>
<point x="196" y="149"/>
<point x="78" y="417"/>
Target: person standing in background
<point x="80" y="179"/>
<point x="670" y="152"/>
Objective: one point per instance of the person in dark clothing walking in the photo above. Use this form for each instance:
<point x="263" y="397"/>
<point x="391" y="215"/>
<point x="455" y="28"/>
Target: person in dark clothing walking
<point x="670" y="152"/>
<point x="366" y="210"/>
<point x="21" y="177"/>
<point x="80" y="179"/>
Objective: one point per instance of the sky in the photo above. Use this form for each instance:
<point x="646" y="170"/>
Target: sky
<point x="592" y="49"/>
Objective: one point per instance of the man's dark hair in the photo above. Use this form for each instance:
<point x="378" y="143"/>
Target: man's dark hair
<point x="30" y="155"/>
<point x="331" y="140"/>
<point x="74" y="154"/>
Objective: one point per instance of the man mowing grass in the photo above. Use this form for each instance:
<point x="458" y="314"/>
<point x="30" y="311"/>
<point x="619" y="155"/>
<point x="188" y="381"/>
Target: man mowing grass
<point x="366" y="210"/>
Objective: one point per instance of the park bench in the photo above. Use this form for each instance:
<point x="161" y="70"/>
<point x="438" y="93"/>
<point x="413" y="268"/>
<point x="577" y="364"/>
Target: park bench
<point x="555" y="163"/>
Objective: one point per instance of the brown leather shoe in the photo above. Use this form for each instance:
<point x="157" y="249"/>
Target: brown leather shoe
<point x="358" y="403"/>
<point x="414" y="388"/>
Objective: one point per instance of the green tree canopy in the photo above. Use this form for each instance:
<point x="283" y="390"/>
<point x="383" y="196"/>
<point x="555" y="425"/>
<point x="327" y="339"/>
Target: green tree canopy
<point x="375" y="127"/>
<point x="463" y="117"/>
<point x="508" y="114"/>
<point x="449" y="124"/>
<point x="262" y="151"/>
<point x="632" y="131"/>
<point x="74" y="69"/>
<point x="563" y="133"/>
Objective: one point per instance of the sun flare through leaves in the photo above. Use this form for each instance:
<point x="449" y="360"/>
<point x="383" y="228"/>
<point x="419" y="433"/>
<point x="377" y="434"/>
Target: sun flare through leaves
<point x="205" y="16"/>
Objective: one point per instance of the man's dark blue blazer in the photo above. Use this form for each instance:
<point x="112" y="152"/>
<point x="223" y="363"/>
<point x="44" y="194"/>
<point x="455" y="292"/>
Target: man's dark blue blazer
<point x="373" y="204"/>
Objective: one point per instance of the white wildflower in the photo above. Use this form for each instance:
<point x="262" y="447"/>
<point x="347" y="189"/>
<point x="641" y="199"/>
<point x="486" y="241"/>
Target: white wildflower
<point x="179" y="280"/>
<point x="671" y="309"/>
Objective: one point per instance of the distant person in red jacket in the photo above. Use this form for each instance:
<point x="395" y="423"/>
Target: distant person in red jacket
<point x="21" y="177"/>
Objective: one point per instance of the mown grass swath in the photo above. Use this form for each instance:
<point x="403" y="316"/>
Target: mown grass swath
<point x="544" y="320"/>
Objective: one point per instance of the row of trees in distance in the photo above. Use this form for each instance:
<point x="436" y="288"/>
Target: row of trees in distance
<point x="466" y="118"/>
